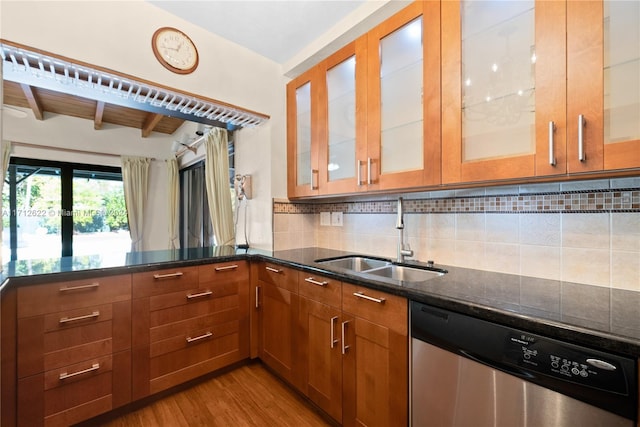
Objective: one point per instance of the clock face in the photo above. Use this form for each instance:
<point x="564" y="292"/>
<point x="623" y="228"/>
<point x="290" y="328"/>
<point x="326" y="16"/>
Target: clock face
<point x="175" y="50"/>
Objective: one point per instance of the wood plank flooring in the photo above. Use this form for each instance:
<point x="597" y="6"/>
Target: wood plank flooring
<point x="247" y="396"/>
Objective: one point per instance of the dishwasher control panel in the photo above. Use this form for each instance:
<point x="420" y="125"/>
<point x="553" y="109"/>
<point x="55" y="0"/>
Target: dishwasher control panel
<point x="565" y="361"/>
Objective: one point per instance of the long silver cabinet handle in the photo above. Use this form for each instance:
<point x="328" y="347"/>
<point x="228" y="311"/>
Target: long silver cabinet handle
<point x="80" y="288"/>
<point x="200" y="337"/>
<point x="273" y="270"/>
<point x="369" y="170"/>
<point x="345" y="347"/>
<point x="94" y="367"/>
<point x="368" y="298"/>
<point x="581" y="124"/>
<point x="168" y="275"/>
<point x="333" y="339"/>
<point x="227" y="267"/>
<point x="257" y="296"/>
<point x="200" y="295"/>
<point x="315" y="282"/>
<point x="75" y="319"/>
<point x="313" y="172"/>
<point x="359" y="169"/>
<point x="552" y="130"/>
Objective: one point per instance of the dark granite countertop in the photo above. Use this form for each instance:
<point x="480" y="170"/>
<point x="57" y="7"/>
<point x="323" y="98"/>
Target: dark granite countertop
<point x="598" y="317"/>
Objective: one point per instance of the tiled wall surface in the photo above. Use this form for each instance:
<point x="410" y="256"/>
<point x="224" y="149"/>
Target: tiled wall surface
<point x="583" y="232"/>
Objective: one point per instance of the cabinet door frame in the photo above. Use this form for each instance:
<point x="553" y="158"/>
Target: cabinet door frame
<point x="549" y="23"/>
<point x="430" y="174"/>
<point x="293" y="188"/>
<point x="357" y="49"/>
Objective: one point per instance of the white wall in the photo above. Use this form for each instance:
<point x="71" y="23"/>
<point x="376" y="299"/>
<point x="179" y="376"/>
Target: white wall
<point x="117" y="35"/>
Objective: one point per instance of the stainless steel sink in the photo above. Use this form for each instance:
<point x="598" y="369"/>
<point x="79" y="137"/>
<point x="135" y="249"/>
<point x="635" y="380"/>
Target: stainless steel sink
<point x="355" y="262"/>
<point x="405" y="273"/>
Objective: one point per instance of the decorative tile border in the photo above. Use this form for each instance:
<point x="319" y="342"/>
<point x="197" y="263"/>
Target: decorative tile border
<point x="588" y="201"/>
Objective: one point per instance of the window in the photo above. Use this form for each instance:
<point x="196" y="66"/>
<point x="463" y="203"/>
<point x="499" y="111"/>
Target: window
<point x="53" y="209"/>
<point x="195" y="222"/>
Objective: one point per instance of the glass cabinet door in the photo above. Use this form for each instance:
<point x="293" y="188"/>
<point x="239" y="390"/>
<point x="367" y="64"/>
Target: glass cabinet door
<point x="342" y="114"/>
<point x="302" y="135"/>
<point x="491" y="77"/>
<point x="404" y="99"/>
<point x="621" y="26"/>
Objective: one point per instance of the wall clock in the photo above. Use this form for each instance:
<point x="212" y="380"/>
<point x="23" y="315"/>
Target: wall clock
<point x="175" y="50"/>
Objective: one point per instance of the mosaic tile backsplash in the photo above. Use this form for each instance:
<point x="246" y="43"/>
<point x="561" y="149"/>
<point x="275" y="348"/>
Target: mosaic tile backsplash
<point x="584" y="232"/>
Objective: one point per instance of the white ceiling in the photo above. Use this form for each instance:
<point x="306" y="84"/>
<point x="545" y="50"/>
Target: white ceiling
<point x="277" y="30"/>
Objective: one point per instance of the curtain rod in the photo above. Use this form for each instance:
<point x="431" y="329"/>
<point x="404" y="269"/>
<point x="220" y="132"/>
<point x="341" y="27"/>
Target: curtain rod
<point x="193" y="146"/>
<point x="66" y="150"/>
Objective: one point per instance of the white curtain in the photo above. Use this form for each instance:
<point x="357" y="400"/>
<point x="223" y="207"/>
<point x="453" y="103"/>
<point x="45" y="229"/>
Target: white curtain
<point x="6" y="155"/>
<point x="216" y="166"/>
<point x="135" y="177"/>
<point x="174" y="202"/>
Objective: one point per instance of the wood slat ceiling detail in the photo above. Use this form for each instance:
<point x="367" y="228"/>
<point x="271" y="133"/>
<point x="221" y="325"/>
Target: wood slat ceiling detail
<point x="52" y="102"/>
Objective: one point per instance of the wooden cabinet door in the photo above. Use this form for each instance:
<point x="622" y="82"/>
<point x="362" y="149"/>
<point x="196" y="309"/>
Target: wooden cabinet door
<point x="279" y="315"/>
<point x="403" y="96"/>
<point x="603" y="65"/>
<point x="319" y="345"/>
<point x="303" y="134"/>
<point x="375" y="360"/>
<point x="342" y="116"/>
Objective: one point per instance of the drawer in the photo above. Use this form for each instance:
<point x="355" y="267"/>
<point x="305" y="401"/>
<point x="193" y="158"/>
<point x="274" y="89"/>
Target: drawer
<point x="234" y="271"/>
<point x="193" y="309"/>
<point x="76" y="392"/>
<point x="68" y="295"/>
<point x="279" y="276"/>
<point x="164" y="281"/>
<point x="320" y="288"/>
<point x="55" y="340"/>
<point x="376" y="306"/>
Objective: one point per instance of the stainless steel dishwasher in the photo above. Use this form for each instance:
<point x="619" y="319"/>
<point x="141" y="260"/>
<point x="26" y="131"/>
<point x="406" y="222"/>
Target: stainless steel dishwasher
<point x="471" y="372"/>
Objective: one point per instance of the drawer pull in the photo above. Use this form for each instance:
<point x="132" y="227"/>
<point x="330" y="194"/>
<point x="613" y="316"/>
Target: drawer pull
<point x="80" y="288"/>
<point x="273" y="270"/>
<point x="94" y="367"/>
<point x="227" y="267"/>
<point x="167" y="276"/>
<point x="200" y="337"/>
<point x="200" y="295"/>
<point x="368" y="298"/>
<point x="75" y="319"/>
<point x="315" y="282"/>
<point x="257" y="296"/>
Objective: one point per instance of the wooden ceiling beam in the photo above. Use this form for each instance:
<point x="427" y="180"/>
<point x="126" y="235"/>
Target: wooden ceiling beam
<point x="150" y="123"/>
<point x="34" y="102"/>
<point x="97" y="119"/>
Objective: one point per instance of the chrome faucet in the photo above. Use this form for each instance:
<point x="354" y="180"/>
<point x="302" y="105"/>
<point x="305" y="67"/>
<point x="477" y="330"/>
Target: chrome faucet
<point x="403" y="250"/>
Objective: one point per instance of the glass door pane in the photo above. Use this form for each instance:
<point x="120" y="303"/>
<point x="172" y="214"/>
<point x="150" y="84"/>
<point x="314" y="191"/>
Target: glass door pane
<point x="341" y="90"/>
<point x="100" y="222"/>
<point x="621" y="71"/>
<point x="401" y="99"/>
<point x="303" y="133"/>
<point x="498" y="80"/>
<point x="36" y="211"/>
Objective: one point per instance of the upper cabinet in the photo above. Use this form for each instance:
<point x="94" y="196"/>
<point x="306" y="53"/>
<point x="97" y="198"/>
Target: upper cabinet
<point x="403" y="94"/>
<point x="368" y="117"/>
<point x="539" y="88"/>
<point x="451" y="92"/>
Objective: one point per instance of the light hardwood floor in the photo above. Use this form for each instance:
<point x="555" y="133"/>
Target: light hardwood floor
<point x="247" y="396"/>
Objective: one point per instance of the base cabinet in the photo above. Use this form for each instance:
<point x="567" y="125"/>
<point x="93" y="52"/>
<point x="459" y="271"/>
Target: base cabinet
<point x="73" y="350"/>
<point x="353" y="351"/>
<point x="188" y="322"/>
<point x="277" y="305"/>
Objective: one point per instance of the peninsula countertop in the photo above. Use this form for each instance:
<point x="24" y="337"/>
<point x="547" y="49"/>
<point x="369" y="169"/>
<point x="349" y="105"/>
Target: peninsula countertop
<point x="598" y="317"/>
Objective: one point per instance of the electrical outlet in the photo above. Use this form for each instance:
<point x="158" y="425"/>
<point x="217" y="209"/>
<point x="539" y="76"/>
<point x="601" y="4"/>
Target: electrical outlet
<point x="325" y="218"/>
<point x="336" y="219"/>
